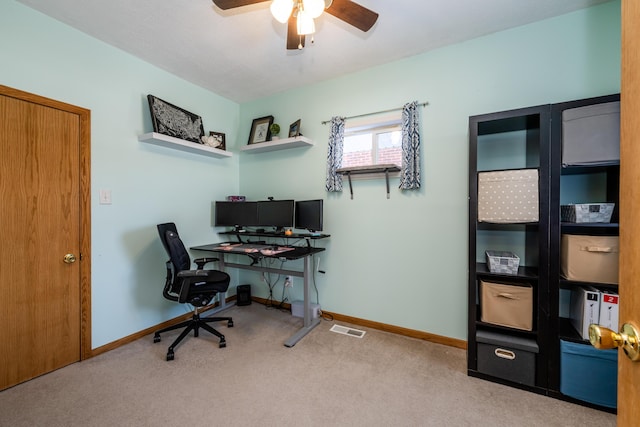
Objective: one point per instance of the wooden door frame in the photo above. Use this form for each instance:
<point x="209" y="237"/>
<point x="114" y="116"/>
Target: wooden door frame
<point x="84" y="117"/>
<point x="629" y="372"/>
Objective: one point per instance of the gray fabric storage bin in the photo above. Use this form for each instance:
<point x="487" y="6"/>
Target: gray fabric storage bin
<point x="591" y="135"/>
<point x="507" y="357"/>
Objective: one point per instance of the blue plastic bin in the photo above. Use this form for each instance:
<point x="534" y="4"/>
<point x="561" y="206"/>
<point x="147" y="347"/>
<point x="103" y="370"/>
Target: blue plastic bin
<point x="589" y="374"/>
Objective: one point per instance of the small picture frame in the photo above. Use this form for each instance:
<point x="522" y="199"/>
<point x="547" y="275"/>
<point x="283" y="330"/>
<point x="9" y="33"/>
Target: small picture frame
<point x="260" y="131"/>
<point x="294" y="129"/>
<point x="220" y="138"/>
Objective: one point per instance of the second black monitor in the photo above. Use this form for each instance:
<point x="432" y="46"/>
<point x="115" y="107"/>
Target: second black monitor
<point x="275" y="213"/>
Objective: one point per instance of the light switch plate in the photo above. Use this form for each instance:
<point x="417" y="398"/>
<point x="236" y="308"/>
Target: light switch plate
<point x="105" y="197"/>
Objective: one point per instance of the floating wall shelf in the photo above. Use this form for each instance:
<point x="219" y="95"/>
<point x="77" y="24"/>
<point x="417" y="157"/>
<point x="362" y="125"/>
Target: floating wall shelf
<point x="182" y="145"/>
<point x="278" y="144"/>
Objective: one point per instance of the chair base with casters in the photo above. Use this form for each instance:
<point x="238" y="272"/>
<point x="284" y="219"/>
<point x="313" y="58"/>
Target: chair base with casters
<point x="195" y="287"/>
<point x="194" y="324"/>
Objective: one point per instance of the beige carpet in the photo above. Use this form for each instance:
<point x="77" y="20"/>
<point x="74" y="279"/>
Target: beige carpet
<point x="327" y="379"/>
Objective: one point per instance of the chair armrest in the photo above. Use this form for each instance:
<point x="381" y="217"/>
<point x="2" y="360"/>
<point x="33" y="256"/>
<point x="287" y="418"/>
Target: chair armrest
<point x="198" y="274"/>
<point x="200" y="262"/>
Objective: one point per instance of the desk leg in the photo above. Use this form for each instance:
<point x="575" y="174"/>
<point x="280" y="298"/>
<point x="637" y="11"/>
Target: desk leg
<point x="222" y="296"/>
<point x="309" y="323"/>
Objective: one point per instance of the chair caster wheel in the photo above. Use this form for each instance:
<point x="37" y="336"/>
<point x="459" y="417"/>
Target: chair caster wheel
<point x="169" y="356"/>
<point x="230" y="324"/>
<point x="156" y="338"/>
<point x="222" y="344"/>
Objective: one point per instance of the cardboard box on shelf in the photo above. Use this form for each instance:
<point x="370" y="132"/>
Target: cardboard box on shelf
<point x="589" y="258"/>
<point x="509" y="305"/>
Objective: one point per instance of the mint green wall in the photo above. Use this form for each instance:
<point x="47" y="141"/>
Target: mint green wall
<point x="403" y="261"/>
<point x="149" y="184"/>
<point x="400" y="261"/>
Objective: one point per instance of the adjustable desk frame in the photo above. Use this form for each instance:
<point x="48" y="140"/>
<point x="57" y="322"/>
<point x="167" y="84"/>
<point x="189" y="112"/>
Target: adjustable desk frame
<point x="305" y="253"/>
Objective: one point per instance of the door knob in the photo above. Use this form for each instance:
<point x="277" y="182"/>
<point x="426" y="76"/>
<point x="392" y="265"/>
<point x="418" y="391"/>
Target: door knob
<point x="628" y="338"/>
<point x="69" y="258"/>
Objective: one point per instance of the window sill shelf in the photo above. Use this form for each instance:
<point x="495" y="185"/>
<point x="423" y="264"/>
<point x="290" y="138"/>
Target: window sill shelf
<point x="369" y="170"/>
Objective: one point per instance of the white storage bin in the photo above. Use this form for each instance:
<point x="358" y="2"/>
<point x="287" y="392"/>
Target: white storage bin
<point x="508" y="196"/>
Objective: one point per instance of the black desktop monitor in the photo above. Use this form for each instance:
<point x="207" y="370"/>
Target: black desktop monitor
<point x="275" y="213"/>
<point x="236" y="214"/>
<point x="309" y="215"/>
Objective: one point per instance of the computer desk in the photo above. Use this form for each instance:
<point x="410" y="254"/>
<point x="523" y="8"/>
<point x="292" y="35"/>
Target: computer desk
<point x="299" y="252"/>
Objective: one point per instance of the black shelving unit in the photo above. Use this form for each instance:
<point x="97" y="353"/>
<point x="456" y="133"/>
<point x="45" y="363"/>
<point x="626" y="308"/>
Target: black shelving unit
<point x="510" y="140"/>
<point x="606" y="177"/>
<point x="532" y="138"/>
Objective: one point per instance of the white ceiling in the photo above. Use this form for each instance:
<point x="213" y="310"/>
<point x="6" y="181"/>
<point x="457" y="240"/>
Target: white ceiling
<point x="240" y="54"/>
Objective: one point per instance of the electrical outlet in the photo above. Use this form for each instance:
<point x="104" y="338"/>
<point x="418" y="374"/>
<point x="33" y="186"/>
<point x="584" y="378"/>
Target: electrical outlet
<point x="288" y="281"/>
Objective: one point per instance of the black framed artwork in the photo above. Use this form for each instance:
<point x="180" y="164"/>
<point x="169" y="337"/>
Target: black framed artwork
<point x="171" y="120"/>
<point x="294" y="129"/>
<point x="260" y="131"/>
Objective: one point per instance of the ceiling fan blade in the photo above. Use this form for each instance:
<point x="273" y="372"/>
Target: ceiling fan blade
<point x="293" y="39"/>
<point x="352" y="13"/>
<point x="231" y="4"/>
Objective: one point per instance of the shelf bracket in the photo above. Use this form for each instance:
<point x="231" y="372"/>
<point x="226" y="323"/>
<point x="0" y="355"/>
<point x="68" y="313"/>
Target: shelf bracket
<point x="350" y="185"/>
<point x="386" y="177"/>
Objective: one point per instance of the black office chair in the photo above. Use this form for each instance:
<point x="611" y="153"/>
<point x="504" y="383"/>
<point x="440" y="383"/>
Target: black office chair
<point x="195" y="287"/>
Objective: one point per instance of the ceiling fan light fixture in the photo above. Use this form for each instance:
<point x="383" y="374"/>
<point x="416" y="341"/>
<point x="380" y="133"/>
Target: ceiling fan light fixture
<point x="305" y="23"/>
<point x="313" y="7"/>
<point x="281" y="10"/>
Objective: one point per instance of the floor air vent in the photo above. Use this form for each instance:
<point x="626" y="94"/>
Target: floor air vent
<point x="347" y="331"/>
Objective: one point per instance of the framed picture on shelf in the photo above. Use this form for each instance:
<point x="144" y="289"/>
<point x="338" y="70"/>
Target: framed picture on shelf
<point x="220" y="140"/>
<point x="294" y="129"/>
<point x="260" y="130"/>
<point x="174" y="121"/>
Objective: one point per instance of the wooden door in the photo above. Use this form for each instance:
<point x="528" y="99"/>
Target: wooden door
<point x="629" y="372"/>
<point x="44" y="216"/>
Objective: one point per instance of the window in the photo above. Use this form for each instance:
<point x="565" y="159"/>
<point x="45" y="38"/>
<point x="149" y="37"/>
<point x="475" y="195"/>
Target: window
<point x="378" y="143"/>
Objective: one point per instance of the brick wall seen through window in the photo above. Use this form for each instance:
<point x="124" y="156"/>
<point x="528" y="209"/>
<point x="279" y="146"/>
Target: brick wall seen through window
<point x="375" y="145"/>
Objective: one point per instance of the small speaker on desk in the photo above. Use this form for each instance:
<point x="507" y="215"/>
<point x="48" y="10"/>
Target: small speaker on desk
<point x="243" y="295"/>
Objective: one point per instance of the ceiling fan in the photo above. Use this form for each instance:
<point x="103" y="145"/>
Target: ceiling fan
<point x="299" y="15"/>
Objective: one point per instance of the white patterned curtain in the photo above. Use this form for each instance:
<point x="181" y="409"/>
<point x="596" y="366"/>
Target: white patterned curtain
<point x="410" y="172"/>
<point x="334" y="155"/>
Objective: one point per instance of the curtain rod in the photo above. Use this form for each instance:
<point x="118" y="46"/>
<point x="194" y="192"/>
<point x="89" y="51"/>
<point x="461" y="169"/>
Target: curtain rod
<point x="423" y="104"/>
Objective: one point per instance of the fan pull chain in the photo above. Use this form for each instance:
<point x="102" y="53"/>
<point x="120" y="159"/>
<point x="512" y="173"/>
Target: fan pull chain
<point x="300" y="43"/>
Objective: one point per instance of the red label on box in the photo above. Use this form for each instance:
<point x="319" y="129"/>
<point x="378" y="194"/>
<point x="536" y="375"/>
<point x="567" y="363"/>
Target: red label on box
<point x="611" y="299"/>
